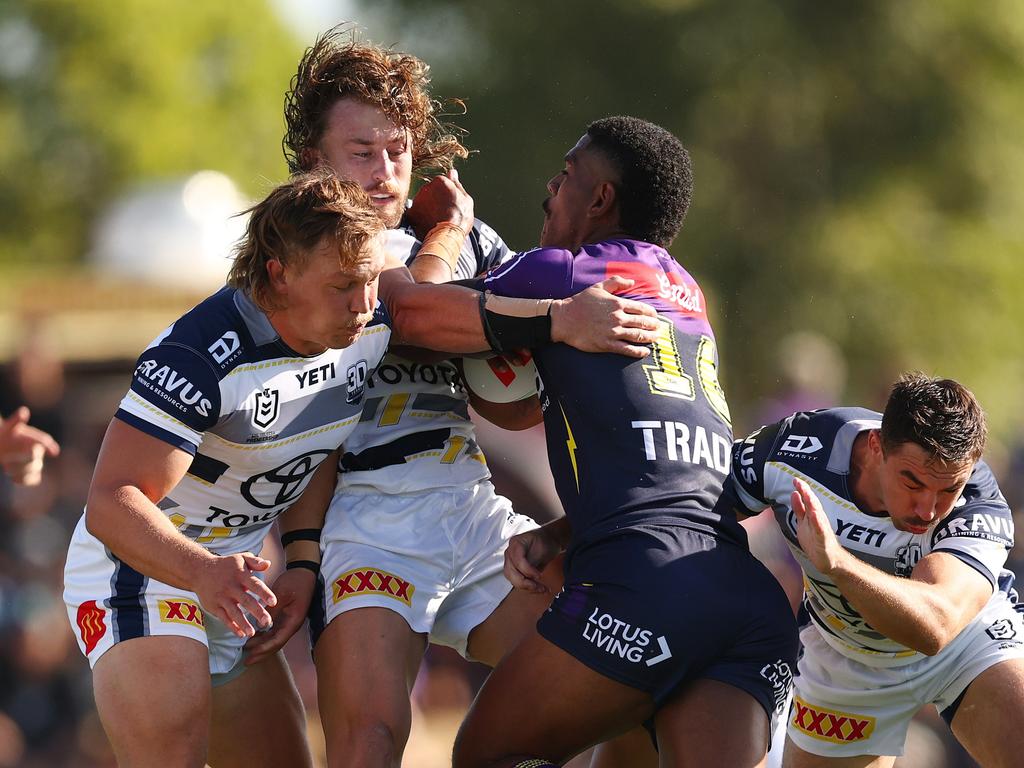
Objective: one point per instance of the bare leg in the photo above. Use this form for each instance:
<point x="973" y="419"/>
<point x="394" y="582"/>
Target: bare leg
<point x="541" y="702"/>
<point x="990" y="719"/>
<point x="633" y="749"/>
<point x="513" y="619"/>
<point x="153" y="698"/>
<point x="366" y="662"/>
<point x="694" y="731"/>
<point x="258" y="720"/>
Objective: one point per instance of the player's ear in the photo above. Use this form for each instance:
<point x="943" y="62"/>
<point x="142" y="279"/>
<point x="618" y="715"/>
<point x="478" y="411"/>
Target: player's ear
<point x="310" y="158"/>
<point x="604" y="201"/>
<point x="278" y="277"/>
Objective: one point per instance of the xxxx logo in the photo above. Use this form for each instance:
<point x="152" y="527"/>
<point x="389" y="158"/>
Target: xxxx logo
<point x="828" y="725"/>
<point x="181" y="612"/>
<point x="367" y="581"/>
<point x="91" y="624"/>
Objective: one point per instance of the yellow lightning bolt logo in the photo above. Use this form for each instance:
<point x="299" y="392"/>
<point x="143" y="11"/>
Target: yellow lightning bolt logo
<point x="570" y="443"/>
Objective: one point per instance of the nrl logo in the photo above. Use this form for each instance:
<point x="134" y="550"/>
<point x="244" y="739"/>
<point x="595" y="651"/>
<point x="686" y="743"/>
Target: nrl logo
<point x="268" y="408"/>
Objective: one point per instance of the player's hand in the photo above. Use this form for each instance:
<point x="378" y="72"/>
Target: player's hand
<point x="294" y="589"/>
<point x="595" y="320"/>
<point x="526" y="556"/>
<point x="813" y="529"/>
<point x="228" y="587"/>
<point x="443" y="198"/>
<point x="23" y="448"/>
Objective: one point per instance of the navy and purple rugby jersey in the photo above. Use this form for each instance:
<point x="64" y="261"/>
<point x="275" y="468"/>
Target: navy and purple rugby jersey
<point x="816" y="446"/>
<point x="257" y="417"/>
<point x="631" y="441"/>
<point x="414" y="433"/>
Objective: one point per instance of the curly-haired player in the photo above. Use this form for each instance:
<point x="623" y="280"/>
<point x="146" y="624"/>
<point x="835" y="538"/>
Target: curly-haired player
<point x="412" y="544"/>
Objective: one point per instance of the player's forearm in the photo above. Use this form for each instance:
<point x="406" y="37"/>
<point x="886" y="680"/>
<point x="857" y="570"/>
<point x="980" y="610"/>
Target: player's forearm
<point x="921" y="616"/>
<point x="301" y="524"/>
<point x="438" y="256"/>
<point x="560" y="530"/>
<point x="139" y="533"/>
<point x="445" y="318"/>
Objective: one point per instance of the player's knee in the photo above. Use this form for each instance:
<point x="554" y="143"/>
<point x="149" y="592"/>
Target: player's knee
<point x="377" y="736"/>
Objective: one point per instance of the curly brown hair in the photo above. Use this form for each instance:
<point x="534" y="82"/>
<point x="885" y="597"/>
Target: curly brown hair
<point x="293" y="220"/>
<point x="339" y="66"/>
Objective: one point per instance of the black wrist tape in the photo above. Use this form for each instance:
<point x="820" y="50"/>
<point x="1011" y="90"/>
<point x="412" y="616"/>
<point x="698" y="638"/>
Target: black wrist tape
<point x="300" y="534"/>
<point x="309" y="565"/>
<point x="506" y="332"/>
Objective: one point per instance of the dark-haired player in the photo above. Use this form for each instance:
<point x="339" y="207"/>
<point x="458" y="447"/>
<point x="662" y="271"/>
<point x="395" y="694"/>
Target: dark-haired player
<point x="665" y="615"/>
<point x="414" y="538"/>
<point x="229" y="413"/>
<point x="902" y="535"/>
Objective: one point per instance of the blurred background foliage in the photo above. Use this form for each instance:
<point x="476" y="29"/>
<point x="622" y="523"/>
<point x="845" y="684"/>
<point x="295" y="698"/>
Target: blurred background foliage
<point x="856" y="164"/>
<point x="96" y="97"/>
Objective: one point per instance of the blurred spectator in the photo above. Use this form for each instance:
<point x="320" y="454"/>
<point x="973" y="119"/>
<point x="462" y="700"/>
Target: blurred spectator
<point x="23" y="448"/>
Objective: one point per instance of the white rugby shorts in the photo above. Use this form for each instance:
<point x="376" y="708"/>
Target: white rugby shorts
<point x="109" y="601"/>
<point x="843" y="708"/>
<point x="436" y="558"/>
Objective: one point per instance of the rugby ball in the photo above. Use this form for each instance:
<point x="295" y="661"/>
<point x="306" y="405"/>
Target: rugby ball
<point x="501" y="379"/>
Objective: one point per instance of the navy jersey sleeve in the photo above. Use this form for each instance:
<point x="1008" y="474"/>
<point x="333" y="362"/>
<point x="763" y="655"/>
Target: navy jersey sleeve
<point x="174" y="396"/>
<point x="978" y="531"/>
<point x="543" y="273"/>
<point x="745" y="484"/>
<point x="488" y="247"/>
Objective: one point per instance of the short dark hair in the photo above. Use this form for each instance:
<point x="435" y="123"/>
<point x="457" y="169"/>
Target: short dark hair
<point x="293" y="220"/>
<point x="655" y="176"/>
<point x="339" y="65"/>
<point x="940" y="415"/>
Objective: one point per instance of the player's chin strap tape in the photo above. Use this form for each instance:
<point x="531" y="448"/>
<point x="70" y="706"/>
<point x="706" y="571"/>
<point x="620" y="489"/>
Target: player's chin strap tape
<point x="511" y="324"/>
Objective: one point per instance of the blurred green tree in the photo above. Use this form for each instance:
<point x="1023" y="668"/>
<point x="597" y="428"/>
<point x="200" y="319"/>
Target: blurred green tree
<point x="857" y="164"/>
<point x="96" y="96"/>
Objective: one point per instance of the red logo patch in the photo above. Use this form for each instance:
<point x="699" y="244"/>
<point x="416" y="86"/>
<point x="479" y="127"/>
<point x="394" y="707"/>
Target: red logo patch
<point x="361" y="581"/>
<point x="181" y="612"/>
<point x="649" y="283"/>
<point x="829" y="725"/>
<point x="91" y="624"/>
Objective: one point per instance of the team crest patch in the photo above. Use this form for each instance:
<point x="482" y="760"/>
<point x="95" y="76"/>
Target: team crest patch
<point x="181" y="612"/>
<point x="830" y="725"/>
<point x="1002" y="630"/>
<point x="92" y="624"/>
<point x="268" y="407"/>
<point x="369" y="581"/>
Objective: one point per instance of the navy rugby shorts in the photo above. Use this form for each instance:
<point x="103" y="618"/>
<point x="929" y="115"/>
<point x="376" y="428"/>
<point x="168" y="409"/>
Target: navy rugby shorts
<point x="658" y="606"/>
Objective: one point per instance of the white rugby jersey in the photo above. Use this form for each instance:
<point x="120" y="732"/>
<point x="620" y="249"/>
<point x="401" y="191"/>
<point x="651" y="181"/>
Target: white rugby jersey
<point x="257" y="417"/>
<point x="816" y="446"/>
<point x="414" y="433"/>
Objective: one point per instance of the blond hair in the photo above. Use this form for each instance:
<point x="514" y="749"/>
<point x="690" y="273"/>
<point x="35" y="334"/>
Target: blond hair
<point x="293" y="220"/>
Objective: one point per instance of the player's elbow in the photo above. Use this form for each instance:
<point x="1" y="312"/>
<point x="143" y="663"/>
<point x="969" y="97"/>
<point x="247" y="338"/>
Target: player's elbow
<point x="100" y="511"/>
<point x="933" y="639"/>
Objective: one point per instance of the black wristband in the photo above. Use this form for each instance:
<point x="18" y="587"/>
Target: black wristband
<point x="309" y="565"/>
<point x="300" y="534"/>
<point x="506" y="333"/>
